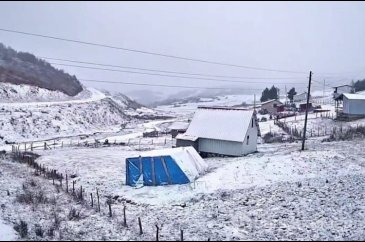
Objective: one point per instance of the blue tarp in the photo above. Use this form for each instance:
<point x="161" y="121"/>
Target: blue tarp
<point x="159" y="170"/>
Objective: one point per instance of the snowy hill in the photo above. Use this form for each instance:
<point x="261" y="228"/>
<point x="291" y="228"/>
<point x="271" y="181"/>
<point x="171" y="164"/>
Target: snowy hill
<point x="25" y="68"/>
<point x="10" y="93"/>
<point x="34" y="122"/>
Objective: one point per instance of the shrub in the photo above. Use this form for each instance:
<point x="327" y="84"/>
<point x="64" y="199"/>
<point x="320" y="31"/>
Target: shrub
<point x="22" y="229"/>
<point x="74" y="214"/>
<point x="39" y="231"/>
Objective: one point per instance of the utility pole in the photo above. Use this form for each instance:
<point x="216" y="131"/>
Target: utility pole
<point x="286" y="96"/>
<point x="306" y="110"/>
<point x="254" y="103"/>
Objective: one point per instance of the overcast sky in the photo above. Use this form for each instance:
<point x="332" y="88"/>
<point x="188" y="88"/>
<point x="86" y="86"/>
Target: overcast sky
<point x="327" y="37"/>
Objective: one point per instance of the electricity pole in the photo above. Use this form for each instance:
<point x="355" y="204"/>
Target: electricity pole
<point x="286" y="96"/>
<point x="254" y="102"/>
<point x="306" y="110"/>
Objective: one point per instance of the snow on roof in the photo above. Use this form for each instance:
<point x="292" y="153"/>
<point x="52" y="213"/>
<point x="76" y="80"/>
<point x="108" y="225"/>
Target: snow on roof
<point x="269" y="101"/>
<point x="346" y="85"/>
<point x="301" y="94"/>
<point x="186" y="137"/>
<point x="220" y="123"/>
<point x="179" y="125"/>
<point x="187" y="158"/>
<point x="354" y="96"/>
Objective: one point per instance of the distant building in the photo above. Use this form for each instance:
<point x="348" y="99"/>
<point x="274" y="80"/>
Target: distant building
<point x="354" y="104"/>
<point x="178" y="128"/>
<point x="300" y="97"/>
<point x="150" y="134"/>
<point x="222" y="131"/>
<point x="271" y="106"/>
<point x="303" y="107"/>
<point x="341" y="90"/>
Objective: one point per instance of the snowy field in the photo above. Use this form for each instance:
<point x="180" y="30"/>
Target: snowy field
<point x="273" y="163"/>
<point x="277" y="193"/>
<point x="7" y="233"/>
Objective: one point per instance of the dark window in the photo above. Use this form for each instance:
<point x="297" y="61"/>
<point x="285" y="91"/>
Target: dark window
<point x="252" y="123"/>
<point x="248" y="139"/>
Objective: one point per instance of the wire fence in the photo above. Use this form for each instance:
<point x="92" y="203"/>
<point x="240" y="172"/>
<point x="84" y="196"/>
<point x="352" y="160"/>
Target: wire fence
<point x="103" y="204"/>
<point x="135" y="143"/>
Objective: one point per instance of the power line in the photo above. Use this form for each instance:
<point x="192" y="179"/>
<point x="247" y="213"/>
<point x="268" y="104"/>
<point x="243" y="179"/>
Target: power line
<point x="165" y="75"/>
<point x="170" y="86"/>
<point x="165" y="71"/>
<point x="149" y="53"/>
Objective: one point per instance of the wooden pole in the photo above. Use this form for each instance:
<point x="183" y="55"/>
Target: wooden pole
<point x="157" y="232"/>
<point x="306" y="111"/>
<point x="125" y="217"/>
<point x="97" y="194"/>
<point x="140" y="226"/>
<point x="66" y="183"/>
<point x="110" y="208"/>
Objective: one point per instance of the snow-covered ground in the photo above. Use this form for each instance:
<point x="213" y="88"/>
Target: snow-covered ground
<point x="7" y="233"/>
<point x="273" y="163"/>
<point x="277" y="193"/>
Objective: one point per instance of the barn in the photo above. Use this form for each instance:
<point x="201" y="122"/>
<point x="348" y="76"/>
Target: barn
<point x="222" y="131"/>
<point x="353" y="104"/>
<point x="271" y="106"/>
<point x="300" y="97"/>
<point x="178" y="128"/>
<point x="165" y="167"/>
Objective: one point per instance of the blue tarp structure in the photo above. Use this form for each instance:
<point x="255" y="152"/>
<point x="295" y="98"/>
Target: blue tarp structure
<point x="166" y="167"/>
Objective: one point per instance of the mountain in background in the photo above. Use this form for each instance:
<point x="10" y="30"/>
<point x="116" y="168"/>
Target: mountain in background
<point x="188" y="96"/>
<point x="25" y="68"/>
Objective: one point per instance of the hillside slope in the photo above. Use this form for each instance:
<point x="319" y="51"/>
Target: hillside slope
<point x="25" y="68"/>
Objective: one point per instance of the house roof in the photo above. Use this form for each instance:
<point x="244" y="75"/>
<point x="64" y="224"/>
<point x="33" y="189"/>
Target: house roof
<point x="354" y="96"/>
<point x="346" y="85"/>
<point x="269" y="101"/>
<point x="179" y="126"/>
<point x="187" y="137"/>
<point x="220" y="123"/>
<point x="301" y="94"/>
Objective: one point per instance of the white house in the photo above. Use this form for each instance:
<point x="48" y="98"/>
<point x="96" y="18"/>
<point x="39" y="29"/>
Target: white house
<point x="223" y="131"/>
<point x="300" y="97"/>
<point x="341" y="90"/>
<point x="354" y="104"/>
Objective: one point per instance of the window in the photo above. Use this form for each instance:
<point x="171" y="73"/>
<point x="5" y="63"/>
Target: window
<point x="248" y="139"/>
<point x="252" y="122"/>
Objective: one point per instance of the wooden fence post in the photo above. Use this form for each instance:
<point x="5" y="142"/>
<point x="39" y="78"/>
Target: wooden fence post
<point x="97" y="193"/>
<point x="92" y="200"/>
<point x="125" y="217"/>
<point x="140" y="226"/>
<point x="109" y="202"/>
<point x="157" y="232"/>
